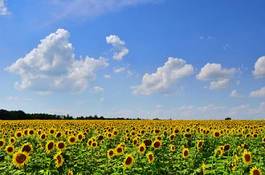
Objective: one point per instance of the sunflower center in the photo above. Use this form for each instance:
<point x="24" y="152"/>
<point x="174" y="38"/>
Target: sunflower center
<point x="50" y="145"/>
<point x="128" y="161"/>
<point x="26" y="148"/>
<point x="256" y="172"/>
<point x="247" y="157"/>
<point x="21" y="158"/>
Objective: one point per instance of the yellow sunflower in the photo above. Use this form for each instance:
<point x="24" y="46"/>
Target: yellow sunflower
<point x="247" y="159"/>
<point x="128" y="161"/>
<point x="20" y="159"/>
<point x="59" y="160"/>
<point x="255" y="171"/>
<point x="185" y="153"/>
<point x="150" y="157"/>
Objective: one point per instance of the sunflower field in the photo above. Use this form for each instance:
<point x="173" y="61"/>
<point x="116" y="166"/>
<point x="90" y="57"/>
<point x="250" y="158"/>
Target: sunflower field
<point x="132" y="147"/>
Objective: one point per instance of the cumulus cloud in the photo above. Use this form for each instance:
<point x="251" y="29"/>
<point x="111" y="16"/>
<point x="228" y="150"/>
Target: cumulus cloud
<point x="107" y="76"/>
<point x="3" y="8"/>
<point x="98" y="89"/>
<point x="53" y="66"/>
<point x="119" y="69"/>
<point x="120" y="50"/>
<point x="234" y="93"/>
<point x="218" y="76"/>
<point x="164" y="77"/>
<point x="259" y="70"/>
<point x="258" y="93"/>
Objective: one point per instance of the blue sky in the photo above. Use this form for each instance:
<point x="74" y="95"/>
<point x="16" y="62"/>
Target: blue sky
<point x="192" y="59"/>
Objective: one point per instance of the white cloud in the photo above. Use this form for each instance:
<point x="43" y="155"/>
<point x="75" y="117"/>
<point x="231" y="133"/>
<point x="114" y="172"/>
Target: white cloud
<point x="98" y="89"/>
<point x="235" y="93"/>
<point x="258" y="93"/>
<point x="53" y="66"/>
<point x="164" y="77"/>
<point x="119" y="69"/>
<point x="120" y="50"/>
<point x="259" y="71"/>
<point x="107" y="76"/>
<point x="3" y="8"/>
<point x="218" y="76"/>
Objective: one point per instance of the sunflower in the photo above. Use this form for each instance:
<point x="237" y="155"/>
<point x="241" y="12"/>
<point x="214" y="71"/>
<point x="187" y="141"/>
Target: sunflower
<point x="227" y="147"/>
<point x="94" y="144"/>
<point x="110" y="153"/>
<point x="60" y="145"/>
<point x="26" y="148"/>
<point x="49" y="146"/>
<point x="185" y="153"/>
<point x="20" y="159"/>
<point x="219" y="151"/>
<point x="157" y="144"/>
<point x="150" y="157"/>
<point x="119" y="150"/>
<point x="128" y="161"/>
<point x="172" y="148"/>
<point x="147" y="142"/>
<point x="18" y="134"/>
<point x="10" y="149"/>
<point x="59" y="160"/>
<point x="2" y="142"/>
<point x="43" y="136"/>
<point x="80" y="136"/>
<point x="58" y="134"/>
<point x="255" y="171"/>
<point x="12" y="140"/>
<point x="216" y="134"/>
<point x="89" y="142"/>
<point x="246" y="157"/>
<point x="31" y="132"/>
<point x="70" y="172"/>
<point x="141" y="148"/>
<point x="72" y="140"/>
<point x="199" y="144"/>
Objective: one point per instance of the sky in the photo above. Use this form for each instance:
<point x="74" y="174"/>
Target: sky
<point x="178" y="59"/>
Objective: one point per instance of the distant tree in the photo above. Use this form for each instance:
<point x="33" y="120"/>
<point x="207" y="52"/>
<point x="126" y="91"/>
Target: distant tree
<point x="228" y="118"/>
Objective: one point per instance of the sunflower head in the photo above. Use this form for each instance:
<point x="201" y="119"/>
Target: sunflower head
<point x="59" y="160"/>
<point x="141" y="148"/>
<point x="150" y="157"/>
<point x="26" y="148"/>
<point x="20" y="159"/>
<point x="247" y="159"/>
<point x="72" y="140"/>
<point x="2" y="142"/>
<point x="18" y="134"/>
<point x="199" y="144"/>
<point x="70" y="172"/>
<point x="157" y="144"/>
<point x="110" y="153"/>
<point x="49" y="146"/>
<point x="172" y="148"/>
<point x="255" y="171"/>
<point x="12" y="140"/>
<point x="10" y="149"/>
<point x="60" y="145"/>
<point x="119" y="150"/>
<point x="185" y="153"/>
<point x="128" y="161"/>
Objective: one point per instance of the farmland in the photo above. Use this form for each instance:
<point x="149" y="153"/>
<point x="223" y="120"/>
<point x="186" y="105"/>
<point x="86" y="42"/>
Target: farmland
<point x="132" y="147"/>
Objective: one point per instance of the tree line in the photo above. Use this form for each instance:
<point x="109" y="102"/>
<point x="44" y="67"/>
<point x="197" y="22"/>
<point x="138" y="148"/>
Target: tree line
<point x="21" y="115"/>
